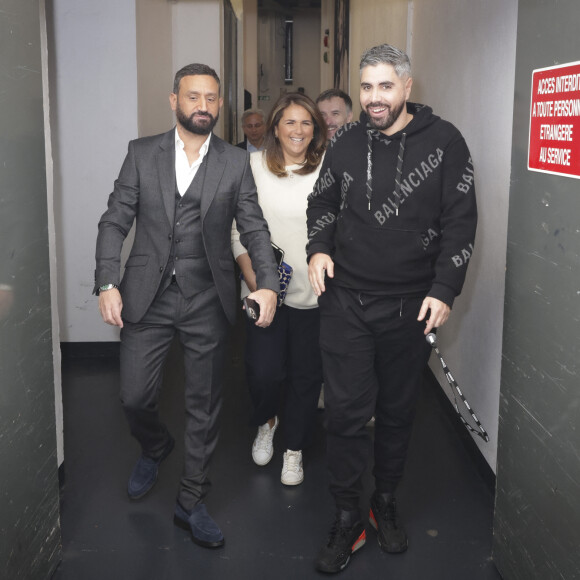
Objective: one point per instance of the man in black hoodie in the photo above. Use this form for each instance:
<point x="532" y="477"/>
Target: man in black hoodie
<point x="391" y="225"/>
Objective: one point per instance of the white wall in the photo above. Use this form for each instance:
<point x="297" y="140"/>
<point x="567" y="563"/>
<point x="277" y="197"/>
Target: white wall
<point x="94" y="116"/>
<point x="464" y="67"/>
<point x="111" y="85"/>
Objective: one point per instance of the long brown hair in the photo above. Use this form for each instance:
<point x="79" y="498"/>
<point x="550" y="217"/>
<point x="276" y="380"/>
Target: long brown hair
<point x="316" y="148"/>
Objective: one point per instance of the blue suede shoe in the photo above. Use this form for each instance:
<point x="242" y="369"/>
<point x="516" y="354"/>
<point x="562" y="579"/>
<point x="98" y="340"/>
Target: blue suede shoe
<point x="144" y="474"/>
<point x="204" y="531"/>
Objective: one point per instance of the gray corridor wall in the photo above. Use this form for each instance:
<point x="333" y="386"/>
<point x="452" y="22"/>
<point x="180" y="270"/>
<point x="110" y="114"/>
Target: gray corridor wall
<point x="537" y="519"/>
<point x="463" y="67"/>
<point x="29" y="493"/>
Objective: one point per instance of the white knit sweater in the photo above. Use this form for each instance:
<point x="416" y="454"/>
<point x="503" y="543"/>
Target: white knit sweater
<point x="283" y="201"/>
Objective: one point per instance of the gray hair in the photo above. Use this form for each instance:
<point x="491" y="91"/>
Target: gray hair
<point x="387" y="54"/>
<point x="249" y="112"/>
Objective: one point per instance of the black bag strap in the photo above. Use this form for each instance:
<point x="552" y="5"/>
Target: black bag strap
<point x="432" y="340"/>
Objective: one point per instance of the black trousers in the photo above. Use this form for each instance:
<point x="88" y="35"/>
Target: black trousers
<point x="374" y="353"/>
<point x="288" y="351"/>
<point x="201" y="325"/>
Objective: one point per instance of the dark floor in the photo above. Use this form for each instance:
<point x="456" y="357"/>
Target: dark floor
<point x="271" y="531"/>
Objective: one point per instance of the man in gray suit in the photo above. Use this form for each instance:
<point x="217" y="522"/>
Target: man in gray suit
<point x="183" y="189"/>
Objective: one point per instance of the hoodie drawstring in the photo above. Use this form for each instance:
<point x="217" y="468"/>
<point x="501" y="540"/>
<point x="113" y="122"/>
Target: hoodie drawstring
<point x="370" y="135"/>
<point x="398" y="176"/>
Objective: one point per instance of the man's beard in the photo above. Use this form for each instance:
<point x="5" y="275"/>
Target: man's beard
<point x="389" y="120"/>
<point x="197" y="123"/>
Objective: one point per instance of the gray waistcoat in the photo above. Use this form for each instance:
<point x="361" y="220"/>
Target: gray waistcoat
<point x="187" y="257"/>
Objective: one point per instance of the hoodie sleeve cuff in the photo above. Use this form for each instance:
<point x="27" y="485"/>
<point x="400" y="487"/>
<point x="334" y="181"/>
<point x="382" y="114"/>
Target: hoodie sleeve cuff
<point x="318" y="248"/>
<point x="443" y="293"/>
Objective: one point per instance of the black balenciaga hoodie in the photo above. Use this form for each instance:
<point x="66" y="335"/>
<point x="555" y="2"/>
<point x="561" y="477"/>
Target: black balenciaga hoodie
<point x="396" y="213"/>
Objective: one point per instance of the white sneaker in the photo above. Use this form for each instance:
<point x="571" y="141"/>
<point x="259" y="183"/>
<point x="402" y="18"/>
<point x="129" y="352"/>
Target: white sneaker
<point x="292" y="472"/>
<point x="263" y="447"/>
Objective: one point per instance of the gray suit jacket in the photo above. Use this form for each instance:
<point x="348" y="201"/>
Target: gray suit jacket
<point x="145" y="192"/>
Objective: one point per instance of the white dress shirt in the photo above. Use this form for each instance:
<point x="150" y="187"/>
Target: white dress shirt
<point x="184" y="172"/>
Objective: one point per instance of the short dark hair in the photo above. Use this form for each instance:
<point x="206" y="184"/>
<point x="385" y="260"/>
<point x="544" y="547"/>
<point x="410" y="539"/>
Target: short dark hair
<point x="330" y="93"/>
<point x="316" y="148"/>
<point x="192" y="70"/>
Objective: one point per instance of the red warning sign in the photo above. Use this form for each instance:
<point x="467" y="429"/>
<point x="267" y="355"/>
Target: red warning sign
<point x="554" y="145"/>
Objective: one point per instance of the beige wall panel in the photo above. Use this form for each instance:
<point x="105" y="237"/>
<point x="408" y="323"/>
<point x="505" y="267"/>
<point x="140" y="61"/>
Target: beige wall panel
<point x="326" y="23"/>
<point x="154" y="66"/>
<point x="238" y="7"/>
<point x="250" y="52"/>
<point x="197" y="37"/>
<point x="306" y="67"/>
<point x="306" y="49"/>
<point x="374" y="22"/>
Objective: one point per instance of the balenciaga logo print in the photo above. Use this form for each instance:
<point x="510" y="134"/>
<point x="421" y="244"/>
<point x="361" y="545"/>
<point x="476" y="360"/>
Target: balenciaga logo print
<point x="413" y="180"/>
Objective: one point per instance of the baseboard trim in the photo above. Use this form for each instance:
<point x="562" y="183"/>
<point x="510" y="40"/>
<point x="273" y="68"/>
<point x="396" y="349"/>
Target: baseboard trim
<point x="482" y="466"/>
<point x="89" y="349"/>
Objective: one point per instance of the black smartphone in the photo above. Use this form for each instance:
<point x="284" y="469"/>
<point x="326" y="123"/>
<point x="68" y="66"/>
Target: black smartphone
<point x="278" y="253"/>
<point x="252" y="308"/>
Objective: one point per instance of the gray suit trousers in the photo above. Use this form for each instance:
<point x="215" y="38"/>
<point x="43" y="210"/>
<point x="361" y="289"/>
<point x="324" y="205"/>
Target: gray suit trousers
<point x="201" y="326"/>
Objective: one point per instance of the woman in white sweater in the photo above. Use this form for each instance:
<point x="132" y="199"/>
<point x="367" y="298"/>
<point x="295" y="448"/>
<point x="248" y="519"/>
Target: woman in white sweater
<point x="287" y="351"/>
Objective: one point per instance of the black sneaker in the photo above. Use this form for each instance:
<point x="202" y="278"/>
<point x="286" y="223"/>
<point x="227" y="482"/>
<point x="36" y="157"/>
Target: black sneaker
<point x="346" y="537"/>
<point x="383" y="517"/>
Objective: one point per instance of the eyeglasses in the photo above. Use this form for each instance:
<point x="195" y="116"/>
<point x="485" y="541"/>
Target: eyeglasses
<point x="254" y="125"/>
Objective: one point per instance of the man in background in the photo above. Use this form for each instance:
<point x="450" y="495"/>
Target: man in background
<point x="254" y="126"/>
<point x="336" y="108"/>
